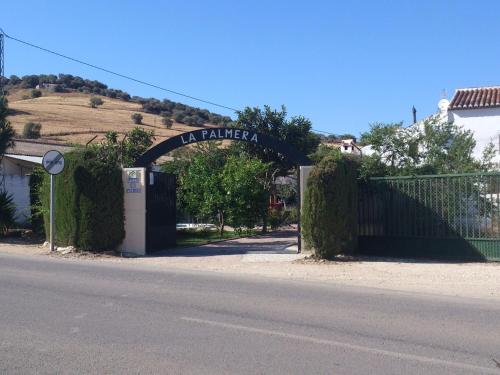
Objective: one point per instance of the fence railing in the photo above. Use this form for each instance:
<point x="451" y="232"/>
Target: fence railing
<point x="441" y="214"/>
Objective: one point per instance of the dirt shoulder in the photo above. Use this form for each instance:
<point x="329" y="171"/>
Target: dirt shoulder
<point x="470" y="280"/>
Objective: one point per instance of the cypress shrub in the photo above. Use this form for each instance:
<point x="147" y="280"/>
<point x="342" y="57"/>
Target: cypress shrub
<point x="89" y="203"/>
<point x="330" y="212"/>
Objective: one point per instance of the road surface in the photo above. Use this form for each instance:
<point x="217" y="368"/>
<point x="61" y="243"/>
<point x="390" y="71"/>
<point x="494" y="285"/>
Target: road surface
<point x="77" y="317"/>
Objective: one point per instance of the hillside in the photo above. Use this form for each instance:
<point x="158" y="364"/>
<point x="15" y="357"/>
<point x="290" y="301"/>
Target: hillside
<point x="68" y="118"/>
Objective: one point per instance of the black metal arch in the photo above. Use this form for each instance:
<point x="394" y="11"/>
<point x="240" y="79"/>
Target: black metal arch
<point x="209" y="134"/>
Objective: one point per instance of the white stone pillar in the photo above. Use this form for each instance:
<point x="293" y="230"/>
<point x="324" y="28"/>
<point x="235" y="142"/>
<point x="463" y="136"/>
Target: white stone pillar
<point x="134" y="184"/>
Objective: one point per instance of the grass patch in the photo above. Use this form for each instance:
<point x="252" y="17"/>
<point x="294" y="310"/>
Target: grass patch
<point x="194" y="237"/>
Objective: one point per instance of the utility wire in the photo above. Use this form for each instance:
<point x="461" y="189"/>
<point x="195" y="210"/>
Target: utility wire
<point x="119" y="74"/>
<point x="128" y="77"/>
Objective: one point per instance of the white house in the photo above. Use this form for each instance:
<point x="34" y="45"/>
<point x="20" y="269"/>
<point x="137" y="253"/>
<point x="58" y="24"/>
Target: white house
<point x="477" y="109"/>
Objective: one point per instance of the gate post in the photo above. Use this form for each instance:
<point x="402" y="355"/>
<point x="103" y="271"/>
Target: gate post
<point x="134" y="185"/>
<point x="303" y="176"/>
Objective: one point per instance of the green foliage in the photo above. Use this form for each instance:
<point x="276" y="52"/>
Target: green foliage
<point x="95" y="101"/>
<point x="89" y="202"/>
<point x="330" y="214"/>
<point x="222" y="188"/>
<point x="435" y="147"/>
<point x="36" y="218"/>
<point x="6" y="130"/>
<point x="136" y="118"/>
<point x="36" y="93"/>
<point x="296" y="131"/>
<point x="7" y="212"/>
<point x="167" y="121"/>
<point x="324" y="151"/>
<point x="32" y="130"/>
<point x="202" y="190"/>
<point x="243" y="181"/>
<point x="126" y="152"/>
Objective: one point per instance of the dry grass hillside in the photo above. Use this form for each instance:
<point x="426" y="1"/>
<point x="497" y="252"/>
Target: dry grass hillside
<point x="68" y="118"/>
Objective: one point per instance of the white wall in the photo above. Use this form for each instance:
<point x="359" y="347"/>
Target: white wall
<point x="134" y="183"/>
<point x="484" y="122"/>
<point x="18" y="186"/>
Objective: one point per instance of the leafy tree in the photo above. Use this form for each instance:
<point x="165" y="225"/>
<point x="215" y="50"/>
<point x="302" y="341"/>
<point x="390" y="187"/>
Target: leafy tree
<point x="296" y="131"/>
<point x="95" y="101"/>
<point x="6" y="131"/>
<point x="137" y="118"/>
<point x="202" y="188"/>
<point x="126" y="152"/>
<point x="32" y="130"/>
<point x="223" y="188"/>
<point x="435" y="146"/>
<point x="243" y="180"/>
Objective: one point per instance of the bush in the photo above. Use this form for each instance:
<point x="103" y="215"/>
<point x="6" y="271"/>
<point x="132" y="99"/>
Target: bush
<point x="36" y="93"/>
<point x="167" y="121"/>
<point x="89" y="203"/>
<point x="31" y="130"/>
<point x="329" y="217"/>
<point x="137" y="118"/>
<point x="7" y="212"/>
<point x="95" y="101"/>
<point x="36" y="217"/>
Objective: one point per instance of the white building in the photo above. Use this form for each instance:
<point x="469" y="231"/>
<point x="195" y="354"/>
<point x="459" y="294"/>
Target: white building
<point x="476" y="109"/>
<point x="15" y="169"/>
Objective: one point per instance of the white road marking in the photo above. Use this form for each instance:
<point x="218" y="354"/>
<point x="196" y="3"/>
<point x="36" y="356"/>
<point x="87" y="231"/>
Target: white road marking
<point x="411" y="357"/>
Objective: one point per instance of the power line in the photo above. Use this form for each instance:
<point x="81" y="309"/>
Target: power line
<point x="118" y="74"/>
<point x="2" y="33"/>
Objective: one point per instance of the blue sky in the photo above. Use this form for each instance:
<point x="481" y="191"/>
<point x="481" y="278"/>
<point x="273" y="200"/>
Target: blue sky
<point x="343" y="65"/>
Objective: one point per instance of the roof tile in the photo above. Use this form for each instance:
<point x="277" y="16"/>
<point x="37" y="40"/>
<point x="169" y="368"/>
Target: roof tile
<point x="481" y="97"/>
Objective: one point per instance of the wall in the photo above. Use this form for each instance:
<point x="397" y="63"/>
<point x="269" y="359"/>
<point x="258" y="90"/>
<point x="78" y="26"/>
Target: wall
<point x="18" y="186"/>
<point x="484" y="122"/>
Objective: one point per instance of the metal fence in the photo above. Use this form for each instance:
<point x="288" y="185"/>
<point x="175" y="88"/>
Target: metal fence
<point x="439" y="216"/>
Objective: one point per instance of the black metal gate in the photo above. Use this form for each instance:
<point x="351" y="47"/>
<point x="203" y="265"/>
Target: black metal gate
<point x="160" y="210"/>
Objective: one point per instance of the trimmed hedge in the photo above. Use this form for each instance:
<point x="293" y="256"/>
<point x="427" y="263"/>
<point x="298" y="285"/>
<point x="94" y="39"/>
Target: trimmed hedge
<point x="89" y="203"/>
<point x="330" y="213"/>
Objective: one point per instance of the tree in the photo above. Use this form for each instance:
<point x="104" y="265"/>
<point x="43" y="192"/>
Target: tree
<point x="223" y="188"/>
<point x="32" y="130"/>
<point x="202" y="189"/>
<point x="137" y="118"/>
<point x="126" y="152"/>
<point x="6" y="131"/>
<point x="167" y="121"/>
<point x="296" y="131"/>
<point x="36" y="93"/>
<point x="433" y="147"/>
<point x="243" y="180"/>
<point x="95" y="101"/>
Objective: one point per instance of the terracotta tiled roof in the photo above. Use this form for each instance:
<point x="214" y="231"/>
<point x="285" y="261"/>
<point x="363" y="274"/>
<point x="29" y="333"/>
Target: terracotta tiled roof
<point x="481" y="97"/>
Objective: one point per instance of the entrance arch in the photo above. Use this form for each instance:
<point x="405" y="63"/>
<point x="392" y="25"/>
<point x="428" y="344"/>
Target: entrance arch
<point x="148" y="194"/>
<point x="211" y="134"/>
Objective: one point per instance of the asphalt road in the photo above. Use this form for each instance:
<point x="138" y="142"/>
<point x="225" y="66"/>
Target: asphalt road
<point x="60" y="316"/>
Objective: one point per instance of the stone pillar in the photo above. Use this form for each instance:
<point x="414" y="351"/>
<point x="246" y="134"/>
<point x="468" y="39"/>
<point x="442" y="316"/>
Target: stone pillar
<point x="304" y="175"/>
<point x="134" y="184"/>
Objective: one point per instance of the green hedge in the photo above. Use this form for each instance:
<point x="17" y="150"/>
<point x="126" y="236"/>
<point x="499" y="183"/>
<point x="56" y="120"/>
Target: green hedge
<point x="330" y="213"/>
<point x="89" y="203"/>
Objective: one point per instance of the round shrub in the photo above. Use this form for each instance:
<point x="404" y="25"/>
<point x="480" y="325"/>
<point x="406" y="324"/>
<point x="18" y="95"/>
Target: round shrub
<point x="32" y="130"/>
<point x="330" y="212"/>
